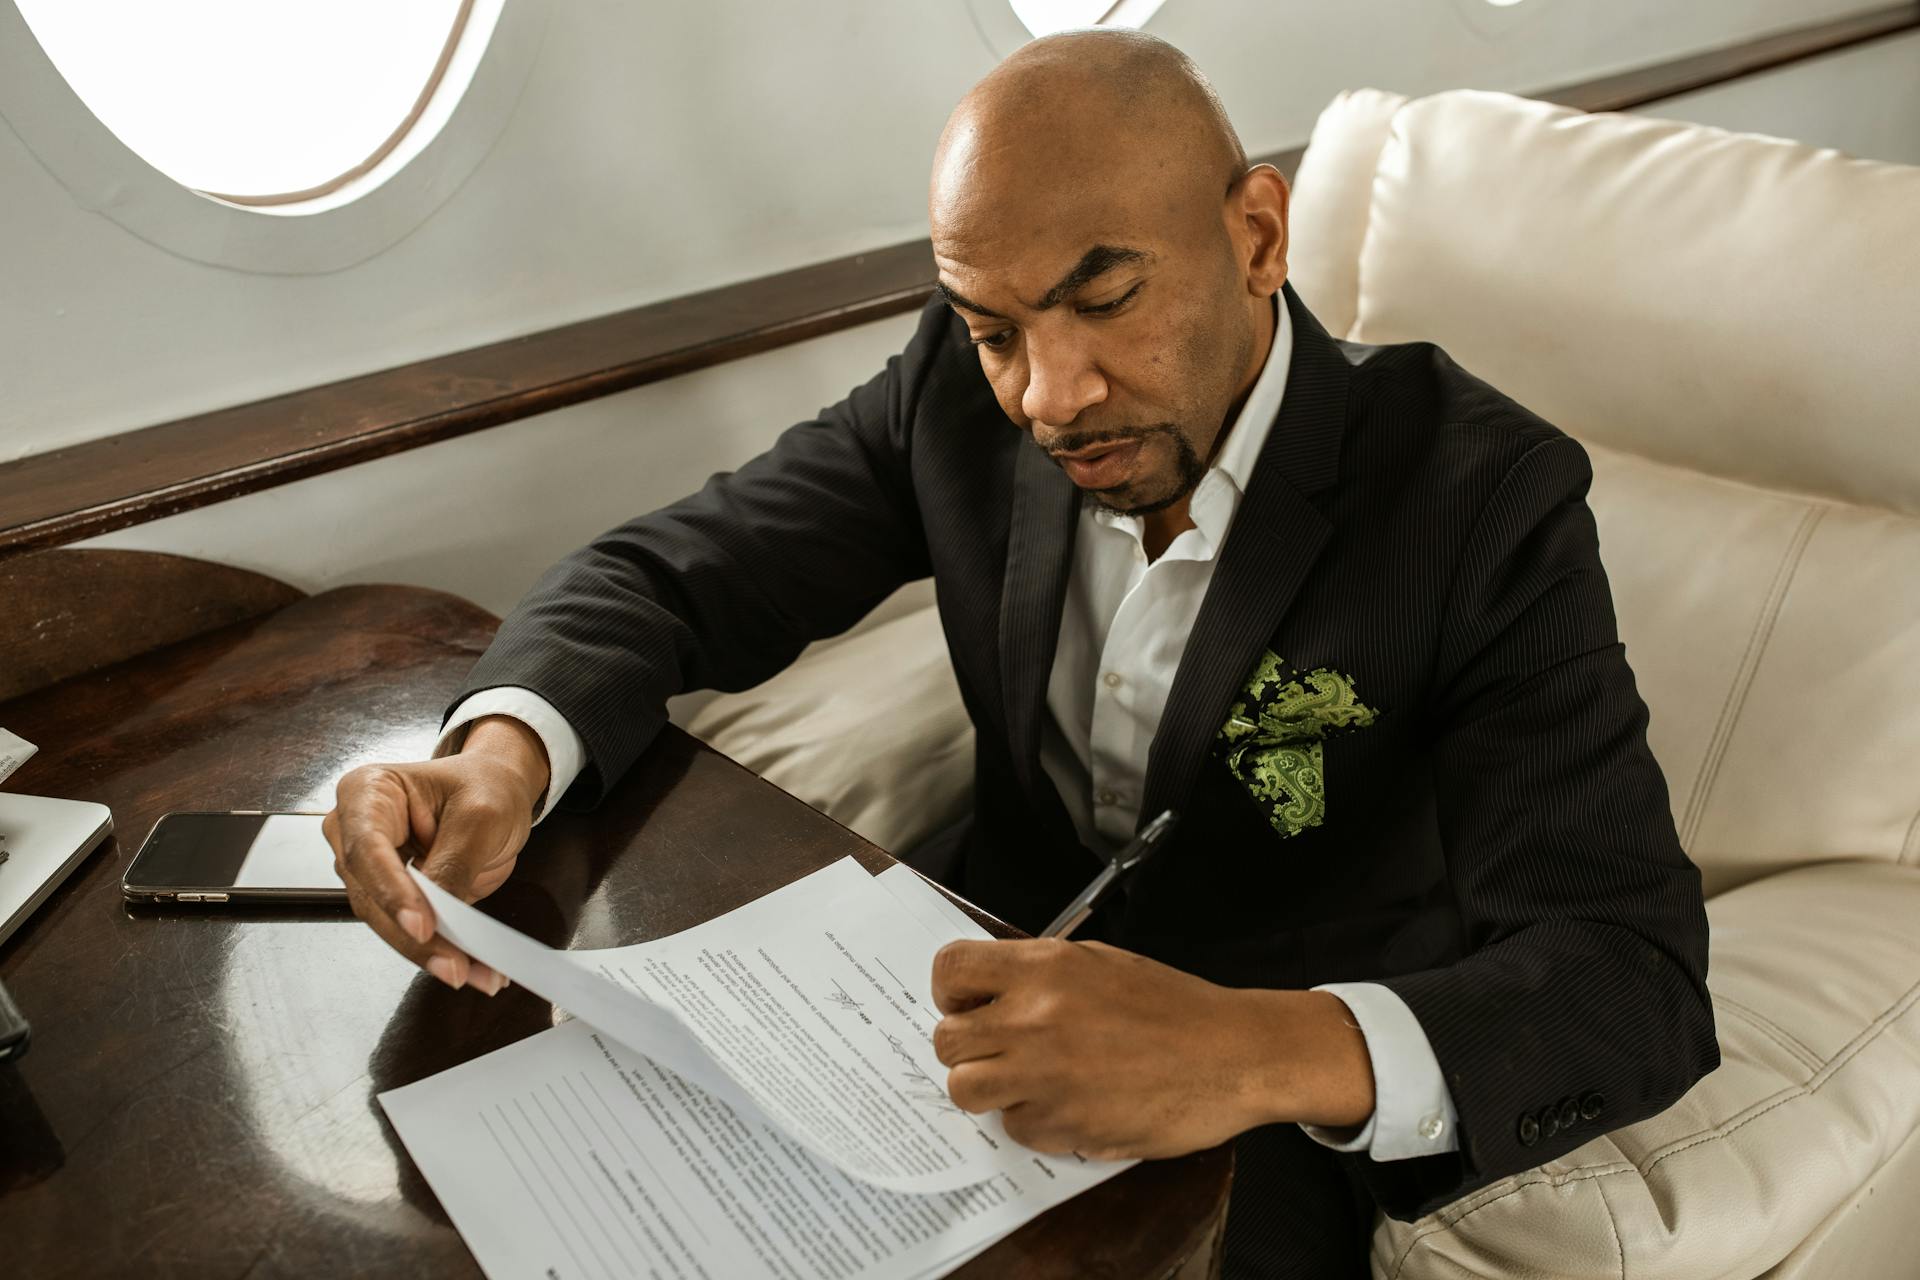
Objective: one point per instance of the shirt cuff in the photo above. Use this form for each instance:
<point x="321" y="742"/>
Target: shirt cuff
<point x="566" y="753"/>
<point x="1413" y="1111"/>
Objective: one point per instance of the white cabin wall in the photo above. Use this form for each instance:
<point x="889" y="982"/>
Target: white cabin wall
<point x="656" y="150"/>
<point x="482" y="515"/>
<point x="662" y="148"/>
<point x="1864" y="101"/>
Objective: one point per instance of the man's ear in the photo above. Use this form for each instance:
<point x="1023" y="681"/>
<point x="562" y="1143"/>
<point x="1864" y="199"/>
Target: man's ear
<point x="1263" y="200"/>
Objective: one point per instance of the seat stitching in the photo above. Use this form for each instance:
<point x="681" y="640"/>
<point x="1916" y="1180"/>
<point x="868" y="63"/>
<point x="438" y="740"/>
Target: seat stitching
<point x="1868" y="1034"/>
<point x="1773" y="1031"/>
<point x="1613" y="1225"/>
<point x="1585" y="1173"/>
<point x="1809" y="1055"/>
<point x="1736" y="698"/>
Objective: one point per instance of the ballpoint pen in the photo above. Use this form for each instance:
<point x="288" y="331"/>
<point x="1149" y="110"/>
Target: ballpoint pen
<point x="1138" y="851"/>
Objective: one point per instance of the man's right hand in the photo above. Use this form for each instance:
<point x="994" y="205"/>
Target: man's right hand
<point x="470" y="813"/>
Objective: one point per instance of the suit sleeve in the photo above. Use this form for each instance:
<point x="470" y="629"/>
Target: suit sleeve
<point x="724" y="588"/>
<point x="1581" y="1004"/>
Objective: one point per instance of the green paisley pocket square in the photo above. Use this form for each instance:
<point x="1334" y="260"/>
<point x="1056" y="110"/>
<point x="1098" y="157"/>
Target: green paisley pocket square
<point x="1271" y="740"/>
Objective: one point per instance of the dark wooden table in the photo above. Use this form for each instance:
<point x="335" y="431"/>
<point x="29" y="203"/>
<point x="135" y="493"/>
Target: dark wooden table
<point x="199" y="1096"/>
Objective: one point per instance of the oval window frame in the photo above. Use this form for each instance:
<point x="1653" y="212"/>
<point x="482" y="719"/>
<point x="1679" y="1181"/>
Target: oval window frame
<point x="362" y="213"/>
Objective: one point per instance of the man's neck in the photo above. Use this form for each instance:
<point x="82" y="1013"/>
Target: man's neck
<point x="1160" y="528"/>
<point x="1266" y="325"/>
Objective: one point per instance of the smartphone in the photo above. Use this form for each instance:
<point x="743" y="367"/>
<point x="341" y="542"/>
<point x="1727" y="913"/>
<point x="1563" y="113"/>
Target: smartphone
<point x="234" y="856"/>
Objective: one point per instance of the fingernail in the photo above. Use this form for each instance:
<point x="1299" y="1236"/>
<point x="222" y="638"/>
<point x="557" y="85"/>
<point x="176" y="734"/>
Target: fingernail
<point x="414" y="923"/>
<point x="442" y="968"/>
<point x="489" y="981"/>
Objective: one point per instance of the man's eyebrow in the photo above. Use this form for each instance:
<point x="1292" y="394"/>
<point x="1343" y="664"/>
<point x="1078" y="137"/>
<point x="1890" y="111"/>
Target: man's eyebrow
<point x="955" y="299"/>
<point x="1093" y="264"/>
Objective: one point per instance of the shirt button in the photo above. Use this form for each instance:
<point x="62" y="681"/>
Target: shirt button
<point x="1114" y="679"/>
<point x="1431" y="1126"/>
<point x="1107" y="797"/>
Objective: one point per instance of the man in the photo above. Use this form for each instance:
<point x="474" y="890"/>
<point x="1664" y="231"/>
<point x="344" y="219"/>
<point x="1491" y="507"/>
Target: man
<point x="1425" y="922"/>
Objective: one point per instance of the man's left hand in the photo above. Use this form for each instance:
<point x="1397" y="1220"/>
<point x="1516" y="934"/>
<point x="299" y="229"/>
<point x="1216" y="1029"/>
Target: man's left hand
<point x="1084" y="1047"/>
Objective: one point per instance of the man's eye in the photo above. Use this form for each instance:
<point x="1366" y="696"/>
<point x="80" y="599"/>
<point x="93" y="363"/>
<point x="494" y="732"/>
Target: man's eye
<point x="995" y="341"/>
<point x="1105" y="308"/>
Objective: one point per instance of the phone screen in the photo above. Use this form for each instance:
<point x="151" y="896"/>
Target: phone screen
<point x="215" y="857"/>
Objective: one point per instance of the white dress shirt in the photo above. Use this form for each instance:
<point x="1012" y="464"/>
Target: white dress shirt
<point x="1122" y="633"/>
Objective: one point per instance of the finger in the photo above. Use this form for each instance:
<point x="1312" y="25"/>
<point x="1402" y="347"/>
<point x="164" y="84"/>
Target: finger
<point x="373" y="804"/>
<point x="986" y="1084"/>
<point x="468" y="835"/>
<point x="437" y="956"/>
<point x="969" y="973"/>
<point x="1035" y="1128"/>
<point x="367" y="825"/>
<point x="976" y="1033"/>
<point x="473" y="834"/>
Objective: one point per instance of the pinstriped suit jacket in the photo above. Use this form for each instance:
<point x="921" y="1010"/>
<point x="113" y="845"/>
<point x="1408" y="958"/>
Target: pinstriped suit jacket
<point x="1497" y="846"/>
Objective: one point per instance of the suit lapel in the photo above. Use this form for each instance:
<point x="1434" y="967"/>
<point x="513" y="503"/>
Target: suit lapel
<point x="1046" y="507"/>
<point x="1276" y="537"/>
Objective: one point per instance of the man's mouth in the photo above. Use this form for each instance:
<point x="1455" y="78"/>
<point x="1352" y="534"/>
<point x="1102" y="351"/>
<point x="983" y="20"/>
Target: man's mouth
<point x="1100" y="466"/>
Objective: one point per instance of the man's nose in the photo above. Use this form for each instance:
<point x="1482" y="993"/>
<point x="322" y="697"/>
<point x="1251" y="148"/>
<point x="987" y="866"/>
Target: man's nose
<point x="1062" y="381"/>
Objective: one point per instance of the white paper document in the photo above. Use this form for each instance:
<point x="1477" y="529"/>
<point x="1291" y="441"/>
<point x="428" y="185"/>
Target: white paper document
<point x="14" y="752"/>
<point x="756" y="1096"/>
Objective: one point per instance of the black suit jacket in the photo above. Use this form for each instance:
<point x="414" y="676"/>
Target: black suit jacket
<point x="1497" y="846"/>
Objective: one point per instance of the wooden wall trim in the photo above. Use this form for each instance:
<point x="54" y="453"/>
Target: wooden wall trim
<point x="126" y="479"/>
<point x="101" y="485"/>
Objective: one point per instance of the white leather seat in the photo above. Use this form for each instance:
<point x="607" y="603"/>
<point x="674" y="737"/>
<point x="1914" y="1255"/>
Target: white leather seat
<point x="1731" y="325"/>
<point x="866" y="727"/>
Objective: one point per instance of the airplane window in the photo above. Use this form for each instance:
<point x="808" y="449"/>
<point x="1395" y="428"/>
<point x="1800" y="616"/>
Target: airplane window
<point x="255" y="103"/>
<point x="1044" y="17"/>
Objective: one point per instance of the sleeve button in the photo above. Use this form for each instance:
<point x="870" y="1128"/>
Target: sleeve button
<point x="1549" y="1121"/>
<point x="1592" y="1105"/>
<point x="1569" y="1113"/>
<point x="1529" y="1131"/>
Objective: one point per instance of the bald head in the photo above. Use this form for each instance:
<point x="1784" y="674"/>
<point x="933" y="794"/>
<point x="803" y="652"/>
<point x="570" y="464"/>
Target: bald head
<point x="1097" y="229"/>
<point x="1084" y="106"/>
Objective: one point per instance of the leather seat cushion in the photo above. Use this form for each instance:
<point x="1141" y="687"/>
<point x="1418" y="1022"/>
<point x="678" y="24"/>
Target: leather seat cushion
<point x="1815" y="975"/>
<point x="869" y="729"/>
<point x="1739" y="384"/>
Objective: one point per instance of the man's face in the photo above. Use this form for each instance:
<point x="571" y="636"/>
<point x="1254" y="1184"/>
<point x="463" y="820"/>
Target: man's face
<point x="1114" y="326"/>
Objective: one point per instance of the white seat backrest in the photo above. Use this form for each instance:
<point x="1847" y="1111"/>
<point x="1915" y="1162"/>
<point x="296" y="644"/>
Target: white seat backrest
<point x="1731" y="324"/>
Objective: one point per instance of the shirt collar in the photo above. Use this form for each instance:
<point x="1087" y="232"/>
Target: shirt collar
<point x="1248" y="434"/>
<point x="1217" y="497"/>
